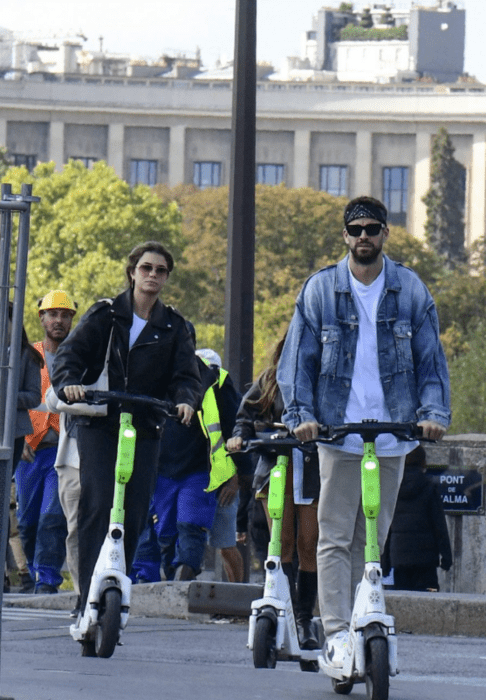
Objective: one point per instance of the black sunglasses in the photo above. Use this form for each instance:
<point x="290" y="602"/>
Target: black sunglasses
<point x="370" y="229"/>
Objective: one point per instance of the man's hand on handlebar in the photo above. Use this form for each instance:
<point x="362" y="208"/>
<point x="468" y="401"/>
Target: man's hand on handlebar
<point x="185" y="413"/>
<point x="432" y="430"/>
<point x="74" y="392"/>
<point x="306" y="431"/>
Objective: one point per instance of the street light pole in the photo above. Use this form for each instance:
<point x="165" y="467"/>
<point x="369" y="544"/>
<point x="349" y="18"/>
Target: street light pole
<point x="238" y="349"/>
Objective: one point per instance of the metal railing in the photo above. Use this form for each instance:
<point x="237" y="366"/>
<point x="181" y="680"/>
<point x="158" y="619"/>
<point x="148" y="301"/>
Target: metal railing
<point x="10" y="343"/>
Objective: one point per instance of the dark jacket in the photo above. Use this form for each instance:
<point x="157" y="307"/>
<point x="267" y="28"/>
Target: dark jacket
<point x="161" y="363"/>
<point x="249" y="420"/>
<point x="30" y="393"/>
<point x="418" y="534"/>
<point x="185" y="450"/>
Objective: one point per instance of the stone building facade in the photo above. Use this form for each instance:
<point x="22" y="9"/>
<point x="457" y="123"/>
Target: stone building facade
<point x="345" y="138"/>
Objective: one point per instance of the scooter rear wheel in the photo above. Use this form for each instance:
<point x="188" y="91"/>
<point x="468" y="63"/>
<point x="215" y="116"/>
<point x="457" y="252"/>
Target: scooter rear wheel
<point x="377" y="678"/>
<point x="342" y="687"/>
<point x="264" y="648"/>
<point x="309" y="666"/>
<point x="108" y="629"/>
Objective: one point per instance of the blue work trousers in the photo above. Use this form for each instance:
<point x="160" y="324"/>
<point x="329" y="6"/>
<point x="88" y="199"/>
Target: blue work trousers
<point x="42" y="525"/>
<point x="184" y="513"/>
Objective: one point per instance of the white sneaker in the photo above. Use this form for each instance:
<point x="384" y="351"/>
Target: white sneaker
<point x="335" y="649"/>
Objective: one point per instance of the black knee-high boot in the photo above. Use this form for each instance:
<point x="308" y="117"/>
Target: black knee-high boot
<point x="306" y="600"/>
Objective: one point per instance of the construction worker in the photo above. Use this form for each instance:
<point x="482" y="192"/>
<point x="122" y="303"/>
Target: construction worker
<point x="42" y="525"/>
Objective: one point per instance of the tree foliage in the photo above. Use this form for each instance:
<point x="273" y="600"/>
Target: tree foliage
<point x="445" y="199"/>
<point x="297" y="231"/>
<point x="83" y="228"/>
<point x="88" y="220"/>
<point x="468" y="385"/>
<point x="4" y="161"/>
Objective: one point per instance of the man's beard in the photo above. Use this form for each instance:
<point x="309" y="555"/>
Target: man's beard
<point x="368" y="258"/>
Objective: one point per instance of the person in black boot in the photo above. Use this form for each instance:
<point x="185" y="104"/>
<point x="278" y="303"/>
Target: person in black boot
<point x="306" y="600"/>
<point x="263" y="404"/>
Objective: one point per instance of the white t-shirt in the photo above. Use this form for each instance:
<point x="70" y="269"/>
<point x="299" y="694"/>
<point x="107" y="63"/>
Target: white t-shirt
<point x="138" y="325"/>
<point x="366" y="398"/>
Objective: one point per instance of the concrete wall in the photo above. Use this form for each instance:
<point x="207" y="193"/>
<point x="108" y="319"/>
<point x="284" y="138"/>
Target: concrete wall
<point x="148" y="143"/>
<point x="467" y="532"/>
<point x="329" y="148"/>
<point x="437" y="42"/>
<point x="86" y="140"/>
<point x="301" y="125"/>
<point x="28" y="138"/>
<point x="276" y="147"/>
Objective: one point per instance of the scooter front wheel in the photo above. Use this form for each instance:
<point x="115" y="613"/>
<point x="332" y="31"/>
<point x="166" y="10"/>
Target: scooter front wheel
<point x="264" y="644"/>
<point x="108" y="629"/>
<point x="377" y="678"/>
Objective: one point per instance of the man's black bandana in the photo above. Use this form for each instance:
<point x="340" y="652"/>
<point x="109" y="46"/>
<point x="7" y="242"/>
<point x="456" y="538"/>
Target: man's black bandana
<point x="366" y="210"/>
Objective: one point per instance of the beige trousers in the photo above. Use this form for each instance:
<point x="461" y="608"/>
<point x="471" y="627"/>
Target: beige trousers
<point x="69" y="489"/>
<point x="340" y="550"/>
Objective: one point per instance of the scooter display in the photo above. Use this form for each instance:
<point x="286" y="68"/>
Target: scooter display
<point x="99" y="627"/>
<point x="372" y="645"/>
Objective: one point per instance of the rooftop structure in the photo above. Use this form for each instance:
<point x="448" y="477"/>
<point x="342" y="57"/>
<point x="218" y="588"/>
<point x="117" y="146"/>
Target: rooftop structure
<point x="381" y="44"/>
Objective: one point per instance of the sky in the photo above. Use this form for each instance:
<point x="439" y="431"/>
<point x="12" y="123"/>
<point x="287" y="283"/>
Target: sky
<point x="150" y="28"/>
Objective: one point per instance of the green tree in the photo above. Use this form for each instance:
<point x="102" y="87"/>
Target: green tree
<point x="4" y="161"/>
<point x="366" y="19"/>
<point x="468" y="385"/>
<point x="83" y="228"/>
<point x="445" y="199"/>
<point x="298" y="231"/>
<point x="460" y="299"/>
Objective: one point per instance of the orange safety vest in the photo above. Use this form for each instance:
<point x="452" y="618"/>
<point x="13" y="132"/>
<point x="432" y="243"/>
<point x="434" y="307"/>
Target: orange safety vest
<point x="41" y="420"/>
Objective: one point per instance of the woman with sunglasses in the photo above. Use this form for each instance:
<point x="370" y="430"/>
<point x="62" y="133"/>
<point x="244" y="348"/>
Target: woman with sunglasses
<point x="151" y="353"/>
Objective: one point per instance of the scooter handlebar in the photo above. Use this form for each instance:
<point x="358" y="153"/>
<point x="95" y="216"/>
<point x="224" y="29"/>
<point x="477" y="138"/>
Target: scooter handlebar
<point x="280" y="439"/>
<point x="100" y="397"/>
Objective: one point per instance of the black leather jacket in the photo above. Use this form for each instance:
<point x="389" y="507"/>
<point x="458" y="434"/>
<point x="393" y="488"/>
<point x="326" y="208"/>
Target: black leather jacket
<point x="161" y="363"/>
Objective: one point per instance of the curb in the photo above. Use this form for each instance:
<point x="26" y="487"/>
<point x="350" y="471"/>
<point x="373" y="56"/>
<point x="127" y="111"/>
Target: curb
<point x="438" y="614"/>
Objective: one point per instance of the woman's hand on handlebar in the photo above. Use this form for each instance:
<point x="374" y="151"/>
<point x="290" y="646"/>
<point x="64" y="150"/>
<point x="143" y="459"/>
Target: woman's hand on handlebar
<point x="74" y="392"/>
<point x="432" y="430"/>
<point x="306" y="431"/>
<point x="234" y="444"/>
<point x="185" y="413"/>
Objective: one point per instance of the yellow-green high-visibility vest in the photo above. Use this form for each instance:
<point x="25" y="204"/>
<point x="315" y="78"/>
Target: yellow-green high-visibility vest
<point x="222" y="466"/>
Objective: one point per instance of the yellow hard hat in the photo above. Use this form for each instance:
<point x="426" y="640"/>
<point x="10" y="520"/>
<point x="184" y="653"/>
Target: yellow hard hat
<point x="57" y="299"/>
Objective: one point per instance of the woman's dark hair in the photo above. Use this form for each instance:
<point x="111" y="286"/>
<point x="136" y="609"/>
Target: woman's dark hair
<point x="147" y="247"/>
<point x="268" y="382"/>
<point x="25" y="345"/>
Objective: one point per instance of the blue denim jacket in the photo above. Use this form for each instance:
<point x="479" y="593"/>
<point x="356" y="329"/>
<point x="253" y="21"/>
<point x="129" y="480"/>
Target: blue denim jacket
<point x="316" y="366"/>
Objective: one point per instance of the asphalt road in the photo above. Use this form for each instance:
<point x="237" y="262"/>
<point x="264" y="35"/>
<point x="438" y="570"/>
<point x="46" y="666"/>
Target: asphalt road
<point x="164" y="659"/>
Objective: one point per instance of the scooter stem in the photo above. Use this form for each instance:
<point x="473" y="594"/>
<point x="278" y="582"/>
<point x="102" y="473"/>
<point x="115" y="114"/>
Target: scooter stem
<point x="370" y="484"/>
<point x="124" y="466"/>
<point x="276" y="502"/>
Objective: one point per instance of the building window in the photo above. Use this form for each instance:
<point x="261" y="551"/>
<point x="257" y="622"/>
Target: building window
<point x="143" y="172"/>
<point x="207" y="174"/>
<point x="87" y="161"/>
<point x="30" y="161"/>
<point x="333" y="179"/>
<point x="395" y="194"/>
<point x="269" y="174"/>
